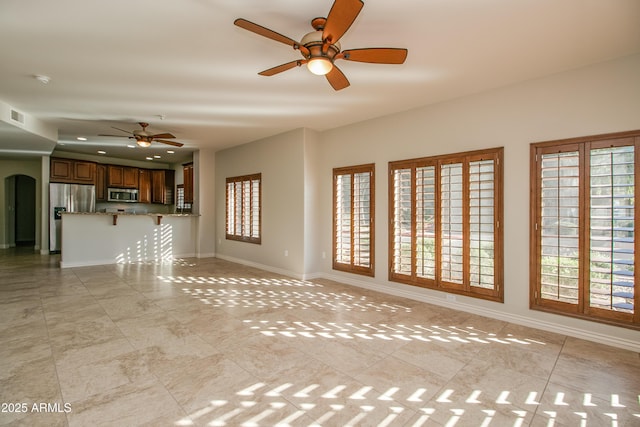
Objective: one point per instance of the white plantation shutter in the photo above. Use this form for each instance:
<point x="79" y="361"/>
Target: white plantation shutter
<point x="612" y="224"/>
<point x="402" y="222"/>
<point x="451" y="223"/>
<point x="444" y="214"/>
<point x="343" y="216"/>
<point x="482" y="231"/>
<point x="426" y="222"/>
<point x="353" y="226"/>
<point x="362" y="219"/>
<point x="243" y="208"/>
<point x="583" y="235"/>
<point x="560" y="226"/>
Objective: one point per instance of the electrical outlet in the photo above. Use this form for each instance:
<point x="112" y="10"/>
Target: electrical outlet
<point x="324" y="255"/>
<point x="451" y="298"/>
<point x="286" y="252"/>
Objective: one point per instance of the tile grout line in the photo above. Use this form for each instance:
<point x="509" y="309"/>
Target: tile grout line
<point x="53" y="358"/>
<point x="544" y="390"/>
<point x="134" y="349"/>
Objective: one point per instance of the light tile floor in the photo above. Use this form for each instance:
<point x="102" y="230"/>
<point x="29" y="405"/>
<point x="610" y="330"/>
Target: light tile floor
<point x="208" y="342"/>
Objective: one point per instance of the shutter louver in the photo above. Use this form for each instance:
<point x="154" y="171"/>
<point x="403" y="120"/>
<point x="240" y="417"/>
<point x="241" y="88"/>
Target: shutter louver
<point x="612" y="213"/>
<point x="560" y="221"/>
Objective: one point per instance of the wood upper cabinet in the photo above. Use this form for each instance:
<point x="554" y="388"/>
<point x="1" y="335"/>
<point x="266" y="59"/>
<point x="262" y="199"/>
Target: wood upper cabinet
<point x="61" y="169"/>
<point x="144" y="186"/>
<point x="162" y="183"/>
<point x="72" y="171"/>
<point x="101" y="183"/>
<point x="122" y="176"/>
<point x="188" y="182"/>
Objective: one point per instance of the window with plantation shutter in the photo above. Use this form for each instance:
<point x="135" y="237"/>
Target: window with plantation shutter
<point x="583" y="227"/>
<point x="243" y="208"/>
<point x="445" y="215"/>
<point x="353" y="225"/>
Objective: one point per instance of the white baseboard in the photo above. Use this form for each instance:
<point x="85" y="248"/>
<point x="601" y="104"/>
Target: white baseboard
<point x="205" y="255"/>
<point x="263" y="267"/>
<point x="487" y="312"/>
<point x="406" y="292"/>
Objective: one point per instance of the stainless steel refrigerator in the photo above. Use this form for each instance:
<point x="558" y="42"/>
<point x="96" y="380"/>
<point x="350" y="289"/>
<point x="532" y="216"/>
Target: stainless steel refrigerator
<point x="67" y="198"/>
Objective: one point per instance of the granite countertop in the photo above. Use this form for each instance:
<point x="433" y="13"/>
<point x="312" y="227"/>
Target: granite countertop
<point x="129" y="214"/>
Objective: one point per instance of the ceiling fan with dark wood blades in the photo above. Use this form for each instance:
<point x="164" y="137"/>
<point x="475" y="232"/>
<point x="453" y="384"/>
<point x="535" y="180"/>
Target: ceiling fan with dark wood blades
<point x="144" y="138"/>
<point x="320" y="48"/>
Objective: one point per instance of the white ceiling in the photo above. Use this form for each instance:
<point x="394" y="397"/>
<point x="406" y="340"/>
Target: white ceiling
<point x="118" y="62"/>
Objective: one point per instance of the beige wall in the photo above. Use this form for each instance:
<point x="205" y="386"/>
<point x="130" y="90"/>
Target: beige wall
<point x="597" y="99"/>
<point x="280" y="159"/>
<point x="592" y="100"/>
<point x="204" y="190"/>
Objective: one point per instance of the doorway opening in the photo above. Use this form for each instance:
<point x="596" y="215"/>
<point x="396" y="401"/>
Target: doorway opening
<point x="20" y="193"/>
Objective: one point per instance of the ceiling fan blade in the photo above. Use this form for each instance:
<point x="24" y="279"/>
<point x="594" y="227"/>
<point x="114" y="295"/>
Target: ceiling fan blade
<point x="281" y="68"/>
<point x="340" y="18"/>
<point x="337" y="79"/>
<point x="162" y="135"/>
<point x="376" y="55"/>
<point x="175" y="144"/>
<point x="122" y="130"/>
<point x="115" y="136"/>
<point x="270" y="34"/>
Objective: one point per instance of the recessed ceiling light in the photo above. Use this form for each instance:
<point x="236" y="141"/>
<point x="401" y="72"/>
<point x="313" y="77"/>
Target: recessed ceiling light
<point x="131" y="146"/>
<point x="170" y="151"/>
<point x="81" y="138"/>
<point x="149" y="158"/>
<point x="156" y="157"/>
<point x="102" y="152"/>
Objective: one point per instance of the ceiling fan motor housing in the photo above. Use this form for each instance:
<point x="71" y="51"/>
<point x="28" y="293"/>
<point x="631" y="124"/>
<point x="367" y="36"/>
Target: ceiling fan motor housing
<point x="313" y="42"/>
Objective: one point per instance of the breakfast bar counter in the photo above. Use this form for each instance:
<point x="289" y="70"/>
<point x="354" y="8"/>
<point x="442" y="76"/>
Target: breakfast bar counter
<point x="99" y="238"/>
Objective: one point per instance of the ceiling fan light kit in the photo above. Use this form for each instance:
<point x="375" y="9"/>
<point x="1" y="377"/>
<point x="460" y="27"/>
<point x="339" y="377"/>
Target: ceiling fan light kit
<point x="320" y="66"/>
<point x="143" y="143"/>
<point x="320" y="48"/>
<point x="144" y="138"/>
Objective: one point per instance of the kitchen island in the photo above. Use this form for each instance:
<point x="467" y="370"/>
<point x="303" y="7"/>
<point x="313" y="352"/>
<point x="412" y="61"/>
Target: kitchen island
<point x="99" y="238"/>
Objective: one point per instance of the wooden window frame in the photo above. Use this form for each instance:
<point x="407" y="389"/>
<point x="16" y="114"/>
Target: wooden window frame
<point x="464" y="288"/>
<point x="352" y="266"/>
<point x="244" y="235"/>
<point x="582" y="309"/>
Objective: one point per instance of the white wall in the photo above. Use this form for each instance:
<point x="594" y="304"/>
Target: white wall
<point x="313" y="210"/>
<point x="280" y="159"/>
<point x="15" y="166"/>
<point x="597" y="99"/>
<point x="204" y="190"/>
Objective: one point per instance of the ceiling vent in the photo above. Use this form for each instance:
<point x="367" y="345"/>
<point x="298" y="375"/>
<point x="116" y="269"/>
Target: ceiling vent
<point x="17" y="116"/>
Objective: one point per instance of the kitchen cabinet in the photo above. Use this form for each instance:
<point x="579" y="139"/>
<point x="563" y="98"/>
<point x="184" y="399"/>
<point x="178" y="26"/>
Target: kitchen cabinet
<point x="101" y="183"/>
<point x="72" y="171"/>
<point x="61" y="170"/>
<point x="188" y="182"/>
<point x="144" y="186"/>
<point x="122" y="176"/>
<point x="162" y="184"/>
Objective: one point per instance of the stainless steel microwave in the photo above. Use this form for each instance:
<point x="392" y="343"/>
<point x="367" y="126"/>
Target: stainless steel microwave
<point x="128" y="195"/>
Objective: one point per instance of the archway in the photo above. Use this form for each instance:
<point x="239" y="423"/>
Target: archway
<point x="20" y="193"/>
